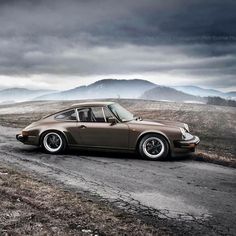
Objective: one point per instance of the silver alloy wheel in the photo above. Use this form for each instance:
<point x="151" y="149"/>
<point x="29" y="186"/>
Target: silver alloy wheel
<point x="153" y="147"/>
<point x="52" y="142"/>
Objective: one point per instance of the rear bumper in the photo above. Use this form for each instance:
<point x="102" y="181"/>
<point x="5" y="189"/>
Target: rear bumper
<point x="187" y="144"/>
<point x="29" y="140"/>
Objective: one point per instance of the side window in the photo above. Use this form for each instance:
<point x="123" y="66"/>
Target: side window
<point x="97" y="114"/>
<point x="93" y="114"/>
<point x="83" y="115"/>
<point x="107" y="113"/>
<point x="68" y="115"/>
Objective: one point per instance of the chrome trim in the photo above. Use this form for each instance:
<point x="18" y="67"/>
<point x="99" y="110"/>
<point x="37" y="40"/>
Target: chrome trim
<point x="104" y="115"/>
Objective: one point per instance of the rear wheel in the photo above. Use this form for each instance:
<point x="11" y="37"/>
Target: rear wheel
<point x="53" y="142"/>
<point x="154" y="147"/>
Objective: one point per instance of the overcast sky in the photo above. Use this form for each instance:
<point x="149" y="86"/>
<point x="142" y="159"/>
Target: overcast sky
<point x="63" y="44"/>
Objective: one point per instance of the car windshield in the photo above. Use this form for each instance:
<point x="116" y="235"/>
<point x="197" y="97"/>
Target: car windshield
<point x="120" y="112"/>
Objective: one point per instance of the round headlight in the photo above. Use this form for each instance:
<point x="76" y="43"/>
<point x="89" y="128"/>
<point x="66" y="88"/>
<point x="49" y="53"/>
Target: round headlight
<point x="186" y="127"/>
<point x="183" y="131"/>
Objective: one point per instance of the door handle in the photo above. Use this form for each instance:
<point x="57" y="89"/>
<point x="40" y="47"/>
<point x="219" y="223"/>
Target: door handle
<point x="82" y="127"/>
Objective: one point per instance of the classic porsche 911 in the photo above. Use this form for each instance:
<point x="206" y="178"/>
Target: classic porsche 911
<point x="109" y="126"/>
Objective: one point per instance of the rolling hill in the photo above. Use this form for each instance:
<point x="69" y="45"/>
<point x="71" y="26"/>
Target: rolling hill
<point x="162" y="93"/>
<point x="107" y="88"/>
<point x="114" y="88"/>
<point x="198" y="91"/>
<point x="231" y="95"/>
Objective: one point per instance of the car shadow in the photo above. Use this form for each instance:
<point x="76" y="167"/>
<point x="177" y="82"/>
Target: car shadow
<point x="116" y="155"/>
<point x="121" y="155"/>
<point x="99" y="154"/>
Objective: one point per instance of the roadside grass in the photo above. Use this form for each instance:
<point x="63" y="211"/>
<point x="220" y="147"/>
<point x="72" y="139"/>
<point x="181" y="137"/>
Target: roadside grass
<point x="214" y="158"/>
<point x="32" y="207"/>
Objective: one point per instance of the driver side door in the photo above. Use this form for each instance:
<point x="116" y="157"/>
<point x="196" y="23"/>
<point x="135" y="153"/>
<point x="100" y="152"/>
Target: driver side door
<point x="95" y="131"/>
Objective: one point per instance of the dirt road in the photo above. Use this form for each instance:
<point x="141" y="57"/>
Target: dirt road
<point x="200" y="197"/>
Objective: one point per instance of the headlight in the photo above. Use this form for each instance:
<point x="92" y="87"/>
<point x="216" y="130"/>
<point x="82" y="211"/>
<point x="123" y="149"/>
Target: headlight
<point x="186" y="127"/>
<point x="183" y="131"/>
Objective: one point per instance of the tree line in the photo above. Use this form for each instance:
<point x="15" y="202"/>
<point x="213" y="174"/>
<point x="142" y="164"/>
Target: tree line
<point x="221" y="101"/>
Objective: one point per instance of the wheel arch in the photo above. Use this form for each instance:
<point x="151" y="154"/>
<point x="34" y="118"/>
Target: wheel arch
<point x="52" y="130"/>
<point x="152" y="132"/>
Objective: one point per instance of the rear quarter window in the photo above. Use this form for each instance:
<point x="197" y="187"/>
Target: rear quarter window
<point x="68" y="115"/>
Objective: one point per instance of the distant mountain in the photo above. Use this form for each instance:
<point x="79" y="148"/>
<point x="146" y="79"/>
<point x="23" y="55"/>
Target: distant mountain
<point x="231" y="95"/>
<point x="20" y="94"/>
<point x="113" y="88"/>
<point x="197" y="91"/>
<point x="162" y="93"/>
<point x="107" y="88"/>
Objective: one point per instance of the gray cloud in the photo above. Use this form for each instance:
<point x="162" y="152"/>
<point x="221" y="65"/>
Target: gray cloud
<point x="88" y="38"/>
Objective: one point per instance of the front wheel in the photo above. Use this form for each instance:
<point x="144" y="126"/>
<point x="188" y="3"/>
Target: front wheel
<point x="53" y="142"/>
<point x="154" y="147"/>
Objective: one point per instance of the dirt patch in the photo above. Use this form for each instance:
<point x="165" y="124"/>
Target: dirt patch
<point x="28" y="206"/>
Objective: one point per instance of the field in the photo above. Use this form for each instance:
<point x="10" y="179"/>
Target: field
<point x="215" y="125"/>
<point x="91" y="193"/>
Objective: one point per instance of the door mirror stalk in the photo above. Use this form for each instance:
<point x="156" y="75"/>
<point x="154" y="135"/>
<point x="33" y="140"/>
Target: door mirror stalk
<point x="112" y="120"/>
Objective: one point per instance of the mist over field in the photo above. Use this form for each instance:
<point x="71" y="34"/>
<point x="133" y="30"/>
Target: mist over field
<point x="113" y="88"/>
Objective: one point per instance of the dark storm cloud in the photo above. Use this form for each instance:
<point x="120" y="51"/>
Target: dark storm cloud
<point x="195" y="38"/>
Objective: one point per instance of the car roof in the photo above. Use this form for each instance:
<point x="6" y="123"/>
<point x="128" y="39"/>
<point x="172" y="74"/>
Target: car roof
<point x="83" y="104"/>
<point x="88" y="104"/>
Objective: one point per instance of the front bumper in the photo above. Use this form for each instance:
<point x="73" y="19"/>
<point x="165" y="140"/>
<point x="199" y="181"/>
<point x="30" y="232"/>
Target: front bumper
<point x="187" y="144"/>
<point x="21" y="138"/>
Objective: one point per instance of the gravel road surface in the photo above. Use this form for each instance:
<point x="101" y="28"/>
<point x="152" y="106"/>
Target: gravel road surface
<point x="200" y="197"/>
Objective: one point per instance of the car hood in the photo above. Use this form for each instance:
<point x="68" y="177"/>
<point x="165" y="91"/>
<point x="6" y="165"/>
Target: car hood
<point x="157" y="123"/>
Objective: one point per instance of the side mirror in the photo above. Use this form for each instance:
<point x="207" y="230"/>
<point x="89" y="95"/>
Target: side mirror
<point x="112" y="120"/>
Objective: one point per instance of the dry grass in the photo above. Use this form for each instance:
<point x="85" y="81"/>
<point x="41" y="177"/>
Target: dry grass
<point x="216" y="159"/>
<point x="31" y="207"/>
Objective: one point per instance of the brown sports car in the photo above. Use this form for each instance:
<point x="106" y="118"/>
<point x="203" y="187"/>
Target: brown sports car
<point x="109" y="126"/>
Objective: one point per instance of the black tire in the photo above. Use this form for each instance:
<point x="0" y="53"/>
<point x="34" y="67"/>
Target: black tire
<point x="154" y="147"/>
<point x="59" y="144"/>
